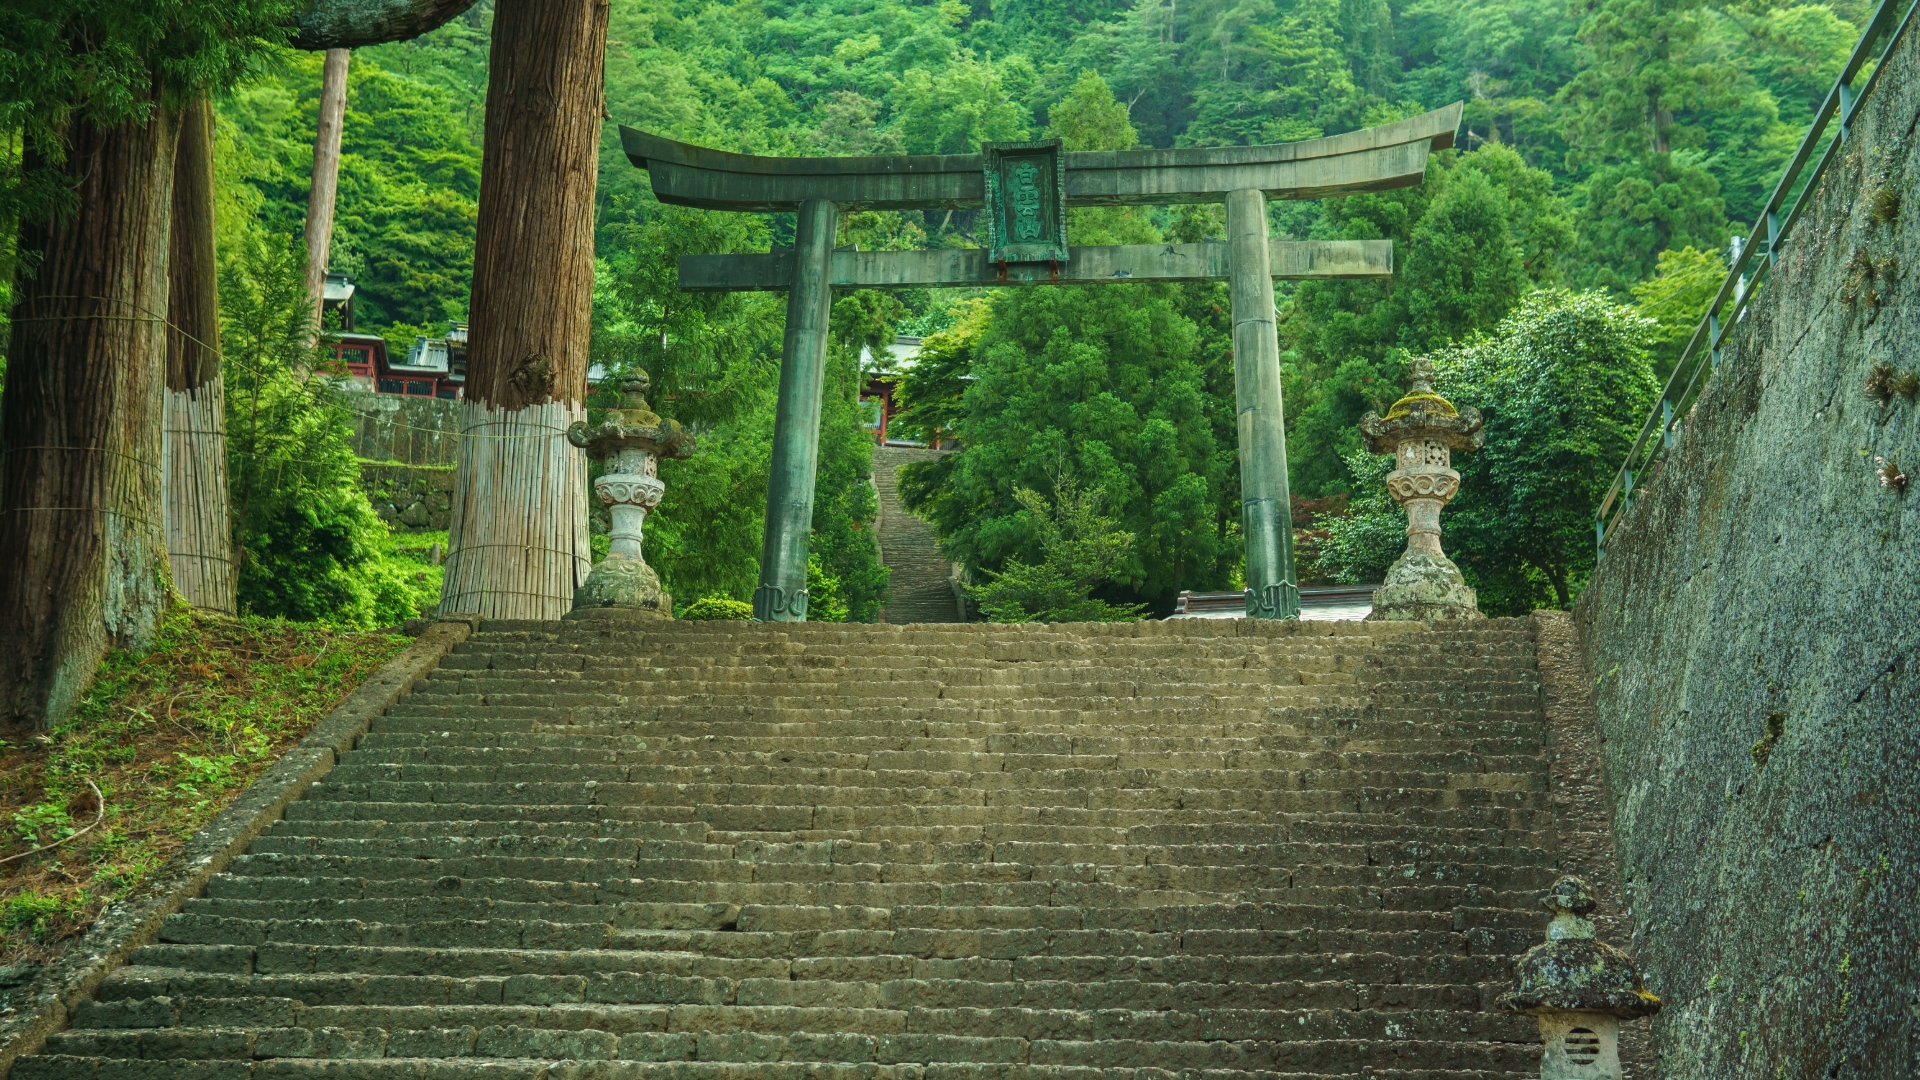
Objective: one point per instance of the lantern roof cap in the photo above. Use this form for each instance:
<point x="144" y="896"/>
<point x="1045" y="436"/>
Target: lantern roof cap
<point x="1423" y="415"/>
<point x="1572" y="971"/>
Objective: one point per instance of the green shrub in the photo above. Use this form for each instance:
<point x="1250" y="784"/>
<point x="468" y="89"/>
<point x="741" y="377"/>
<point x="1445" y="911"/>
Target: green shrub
<point x="1081" y="549"/>
<point x="308" y="543"/>
<point x="718" y="608"/>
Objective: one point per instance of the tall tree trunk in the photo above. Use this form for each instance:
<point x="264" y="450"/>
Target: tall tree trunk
<point x="326" y="173"/>
<point x="81" y="538"/>
<point x="518" y="542"/>
<point x="199" y="536"/>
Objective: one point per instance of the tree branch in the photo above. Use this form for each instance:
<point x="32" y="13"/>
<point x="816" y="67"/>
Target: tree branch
<point x="349" y="24"/>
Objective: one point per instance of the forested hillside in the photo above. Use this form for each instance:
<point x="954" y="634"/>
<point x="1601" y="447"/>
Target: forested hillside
<point x="1608" y="144"/>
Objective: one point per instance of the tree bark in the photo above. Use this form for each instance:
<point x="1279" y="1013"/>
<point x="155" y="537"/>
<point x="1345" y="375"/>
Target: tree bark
<point x="518" y="541"/>
<point x="199" y="535"/>
<point x="326" y="174"/>
<point x="80" y="427"/>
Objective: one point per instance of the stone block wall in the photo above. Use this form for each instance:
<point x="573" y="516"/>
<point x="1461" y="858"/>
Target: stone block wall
<point x="410" y="430"/>
<point x="1753" y="634"/>
<point x="410" y="498"/>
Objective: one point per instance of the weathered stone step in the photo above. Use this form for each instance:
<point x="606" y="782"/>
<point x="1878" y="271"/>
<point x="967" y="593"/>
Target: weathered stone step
<point x="1315" y="1012"/>
<point x="92" y="1068"/>
<point x="782" y="819"/>
<point x="859" y="749"/>
<point x="1044" y="781"/>
<point x="1126" y="887"/>
<point x="502" y="977"/>
<point x="1458" y="932"/>
<point x="956" y="805"/>
<point x="762" y="857"/>
<point x="969" y="727"/>
<point x="1304" y="830"/>
<point x="759" y="766"/>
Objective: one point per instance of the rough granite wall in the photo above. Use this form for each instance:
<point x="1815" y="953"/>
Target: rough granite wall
<point x="1754" y="636"/>
<point x="410" y="498"/>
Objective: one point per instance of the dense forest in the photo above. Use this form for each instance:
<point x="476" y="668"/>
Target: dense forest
<point x="1556" y="257"/>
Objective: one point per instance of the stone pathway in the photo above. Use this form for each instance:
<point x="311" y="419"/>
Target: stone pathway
<point x="922" y="582"/>
<point x="1234" y="850"/>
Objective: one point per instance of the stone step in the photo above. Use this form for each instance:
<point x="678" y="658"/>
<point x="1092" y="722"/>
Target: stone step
<point x="65" y="1067"/>
<point x="1303" y="1012"/>
<point x="737" y="764"/>
<point x="477" y="976"/>
<point x="1039" y="780"/>
<point x="855" y="751"/>
<point x="782" y="819"/>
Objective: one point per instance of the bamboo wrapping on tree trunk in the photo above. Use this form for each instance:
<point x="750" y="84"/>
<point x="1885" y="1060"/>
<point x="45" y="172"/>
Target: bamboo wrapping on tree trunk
<point x="199" y="534"/>
<point x="518" y="537"/>
<point x="81" y="536"/>
<point x="518" y="474"/>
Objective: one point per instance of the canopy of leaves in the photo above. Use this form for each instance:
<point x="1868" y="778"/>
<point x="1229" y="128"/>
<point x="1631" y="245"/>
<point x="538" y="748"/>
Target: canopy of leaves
<point x="1564" y="383"/>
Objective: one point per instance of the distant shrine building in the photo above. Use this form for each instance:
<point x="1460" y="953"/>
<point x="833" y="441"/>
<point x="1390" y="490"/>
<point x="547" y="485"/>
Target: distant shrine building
<point x="433" y="368"/>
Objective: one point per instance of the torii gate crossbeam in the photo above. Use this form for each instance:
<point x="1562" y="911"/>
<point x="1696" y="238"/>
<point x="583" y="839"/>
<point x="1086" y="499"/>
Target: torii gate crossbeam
<point x="1026" y="188"/>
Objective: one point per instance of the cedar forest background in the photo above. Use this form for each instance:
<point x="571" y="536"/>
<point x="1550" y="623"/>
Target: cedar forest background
<point x="1552" y="265"/>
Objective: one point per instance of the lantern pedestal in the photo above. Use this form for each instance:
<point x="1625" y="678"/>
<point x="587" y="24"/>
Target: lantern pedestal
<point x="1421" y="431"/>
<point x="631" y="441"/>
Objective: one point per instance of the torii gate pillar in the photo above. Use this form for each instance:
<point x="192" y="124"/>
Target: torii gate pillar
<point x="1266" y="517"/>
<point x="782" y="594"/>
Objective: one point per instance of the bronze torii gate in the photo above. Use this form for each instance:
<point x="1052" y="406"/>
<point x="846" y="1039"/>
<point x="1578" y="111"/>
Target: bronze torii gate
<point x="1026" y="189"/>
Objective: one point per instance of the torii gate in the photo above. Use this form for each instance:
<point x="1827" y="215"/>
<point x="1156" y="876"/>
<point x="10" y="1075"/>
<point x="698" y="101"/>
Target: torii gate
<point x="1026" y="189"/>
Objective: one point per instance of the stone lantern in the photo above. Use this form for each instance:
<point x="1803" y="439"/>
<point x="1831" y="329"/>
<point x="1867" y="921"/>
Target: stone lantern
<point x="1422" y="430"/>
<point x="1579" y="989"/>
<point x="631" y="440"/>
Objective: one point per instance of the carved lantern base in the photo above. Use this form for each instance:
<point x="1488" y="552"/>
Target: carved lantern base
<point x="630" y="441"/>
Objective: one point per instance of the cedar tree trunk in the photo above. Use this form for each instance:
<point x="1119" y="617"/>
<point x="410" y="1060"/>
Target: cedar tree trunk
<point x="518" y="542"/>
<point x="81" y="538"/>
<point x="326" y="174"/>
<point x="199" y="536"/>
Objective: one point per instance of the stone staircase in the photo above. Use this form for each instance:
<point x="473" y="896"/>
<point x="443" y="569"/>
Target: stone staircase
<point x="1218" y="850"/>
<point x="920" y="589"/>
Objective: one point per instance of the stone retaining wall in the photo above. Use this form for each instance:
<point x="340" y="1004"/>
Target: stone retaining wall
<point x="409" y="430"/>
<point x="1753" y="641"/>
<point x="410" y="498"/>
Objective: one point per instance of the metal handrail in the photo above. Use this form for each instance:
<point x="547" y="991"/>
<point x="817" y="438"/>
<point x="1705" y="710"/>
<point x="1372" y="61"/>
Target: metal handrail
<point x="1762" y="244"/>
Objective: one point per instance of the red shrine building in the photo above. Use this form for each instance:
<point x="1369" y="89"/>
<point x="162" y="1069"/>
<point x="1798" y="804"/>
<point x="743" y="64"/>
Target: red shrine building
<point x="433" y="367"/>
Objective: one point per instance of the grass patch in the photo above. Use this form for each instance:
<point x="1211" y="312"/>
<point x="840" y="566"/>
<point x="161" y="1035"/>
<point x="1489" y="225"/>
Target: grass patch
<point x="169" y="737"/>
<point x="412" y="553"/>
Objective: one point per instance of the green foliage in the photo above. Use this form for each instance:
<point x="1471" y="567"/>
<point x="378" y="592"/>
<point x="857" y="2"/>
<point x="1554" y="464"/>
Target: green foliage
<point x="1362" y="543"/>
<point x="1483" y="229"/>
<point x="308" y="544"/>
<point x="409" y="178"/>
<point x="1124" y="387"/>
<point x="710" y="608"/>
<point x="1564" y="384"/>
<point x="826" y="593"/>
<point x="1685" y="281"/>
<point x="105" y="63"/>
<point x="1080" y="548"/>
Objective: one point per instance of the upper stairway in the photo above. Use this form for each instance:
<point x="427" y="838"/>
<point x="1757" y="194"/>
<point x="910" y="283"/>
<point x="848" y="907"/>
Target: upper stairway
<point x="920" y="582"/>
<point x="1220" y="849"/>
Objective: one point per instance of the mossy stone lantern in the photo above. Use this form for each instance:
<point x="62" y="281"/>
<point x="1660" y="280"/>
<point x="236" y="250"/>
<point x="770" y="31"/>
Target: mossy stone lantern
<point x="631" y="440"/>
<point x="1421" y="431"/>
<point x="1579" y="989"/>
